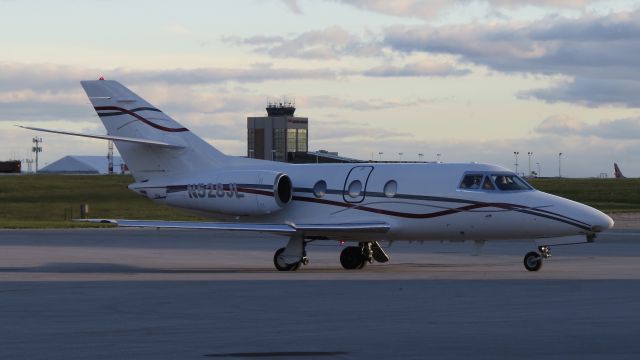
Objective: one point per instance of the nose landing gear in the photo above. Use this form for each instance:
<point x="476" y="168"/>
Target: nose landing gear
<point x="293" y="256"/>
<point x="533" y="260"/>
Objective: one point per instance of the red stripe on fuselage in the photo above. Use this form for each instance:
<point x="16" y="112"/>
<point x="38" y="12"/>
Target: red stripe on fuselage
<point x="381" y="211"/>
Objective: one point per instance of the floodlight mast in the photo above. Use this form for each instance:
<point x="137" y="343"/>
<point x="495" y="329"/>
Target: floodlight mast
<point x="36" y="149"/>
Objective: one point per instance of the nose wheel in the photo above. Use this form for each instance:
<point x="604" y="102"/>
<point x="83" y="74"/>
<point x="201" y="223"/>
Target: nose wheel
<point x="291" y="257"/>
<point x="533" y="260"/>
<point x="281" y="265"/>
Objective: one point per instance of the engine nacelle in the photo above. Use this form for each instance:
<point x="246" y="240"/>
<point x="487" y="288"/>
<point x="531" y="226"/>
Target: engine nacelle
<point x="241" y="192"/>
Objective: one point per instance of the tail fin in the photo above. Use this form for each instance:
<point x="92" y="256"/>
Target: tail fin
<point x="125" y="114"/>
<point x="617" y="172"/>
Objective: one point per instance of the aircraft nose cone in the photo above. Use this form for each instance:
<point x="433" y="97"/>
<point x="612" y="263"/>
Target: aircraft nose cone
<point x="602" y="222"/>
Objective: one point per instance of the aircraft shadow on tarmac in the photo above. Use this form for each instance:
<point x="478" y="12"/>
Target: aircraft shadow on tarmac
<point x="272" y="354"/>
<point x="112" y="268"/>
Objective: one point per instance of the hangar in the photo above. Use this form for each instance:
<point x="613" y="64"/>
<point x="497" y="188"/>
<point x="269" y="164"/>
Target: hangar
<point x="73" y="164"/>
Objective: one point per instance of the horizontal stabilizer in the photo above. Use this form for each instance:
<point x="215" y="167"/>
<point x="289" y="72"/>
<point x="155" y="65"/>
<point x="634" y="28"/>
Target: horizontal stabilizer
<point x="281" y="229"/>
<point x="109" y="137"/>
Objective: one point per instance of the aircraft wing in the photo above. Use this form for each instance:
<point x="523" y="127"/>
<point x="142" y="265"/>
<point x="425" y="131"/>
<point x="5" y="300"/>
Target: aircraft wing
<point x="109" y="137"/>
<point x="279" y="229"/>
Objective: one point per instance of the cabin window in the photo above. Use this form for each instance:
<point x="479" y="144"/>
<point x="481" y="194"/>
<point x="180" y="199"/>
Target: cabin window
<point x="320" y="189"/>
<point x="471" y="181"/>
<point x="390" y="188"/>
<point x="509" y="182"/>
<point x="355" y="188"/>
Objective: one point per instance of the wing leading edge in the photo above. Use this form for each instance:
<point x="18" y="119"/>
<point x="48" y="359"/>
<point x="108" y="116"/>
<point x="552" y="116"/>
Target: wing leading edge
<point x="279" y="229"/>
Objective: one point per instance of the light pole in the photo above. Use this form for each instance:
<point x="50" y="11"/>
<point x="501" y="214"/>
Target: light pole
<point x="438" y="155"/>
<point x="516" y="154"/>
<point x="560" y="165"/>
<point x="538" y="169"/>
<point x="400" y="155"/>
<point x="37" y="149"/>
<point x="380" y="155"/>
<point x="420" y="156"/>
<point x="529" y="153"/>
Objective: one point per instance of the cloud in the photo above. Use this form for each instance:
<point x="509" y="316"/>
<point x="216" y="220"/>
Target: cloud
<point x="293" y="6"/>
<point x="330" y="43"/>
<point x="44" y="93"/>
<point x="429" y="9"/>
<point x="348" y="131"/>
<point x="16" y="76"/>
<point x="620" y="129"/>
<point x="590" y="92"/>
<point x="417" y="69"/>
<point x="598" y="53"/>
<point x="405" y="8"/>
<point x="558" y="4"/>
<point x="30" y="92"/>
<point x="46" y="105"/>
<point x="325" y="101"/>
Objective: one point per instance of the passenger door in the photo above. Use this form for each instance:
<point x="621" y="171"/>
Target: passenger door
<point x="355" y="186"/>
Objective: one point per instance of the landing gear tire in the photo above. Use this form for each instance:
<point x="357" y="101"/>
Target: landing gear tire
<point x="533" y="261"/>
<point x="352" y="258"/>
<point x="282" y="266"/>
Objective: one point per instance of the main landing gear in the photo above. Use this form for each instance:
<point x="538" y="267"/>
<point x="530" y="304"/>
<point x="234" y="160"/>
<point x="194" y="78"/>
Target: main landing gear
<point x="356" y="257"/>
<point x="294" y="255"/>
<point x="533" y="260"/>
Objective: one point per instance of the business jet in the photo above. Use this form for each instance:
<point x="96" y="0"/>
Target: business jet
<point x="361" y="204"/>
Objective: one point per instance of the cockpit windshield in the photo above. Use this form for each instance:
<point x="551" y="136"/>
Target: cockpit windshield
<point x="509" y="182"/>
<point x="492" y="182"/>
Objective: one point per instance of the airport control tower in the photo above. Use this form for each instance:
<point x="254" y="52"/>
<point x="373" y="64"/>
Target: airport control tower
<point x="275" y="136"/>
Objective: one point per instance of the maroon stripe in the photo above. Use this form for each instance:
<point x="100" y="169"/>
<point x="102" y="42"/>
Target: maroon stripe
<point x="470" y="207"/>
<point x="398" y="213"/>
<point x="152" y="124"/>
<point x="382" y="211"/>
<point x="255" y="191"/>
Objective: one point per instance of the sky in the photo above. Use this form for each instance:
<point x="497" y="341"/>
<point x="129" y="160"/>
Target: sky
<point x="469" y="80"/>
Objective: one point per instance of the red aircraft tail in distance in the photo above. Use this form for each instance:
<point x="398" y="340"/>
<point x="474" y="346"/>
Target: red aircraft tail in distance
<point x="617" y="172"/>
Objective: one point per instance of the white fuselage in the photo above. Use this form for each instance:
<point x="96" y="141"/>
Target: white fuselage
<point x="426" y="202"/>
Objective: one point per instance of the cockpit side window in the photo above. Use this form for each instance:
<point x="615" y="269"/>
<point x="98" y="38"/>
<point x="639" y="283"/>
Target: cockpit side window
<point x="507" y="182"/>
<point x="471" y="181"/>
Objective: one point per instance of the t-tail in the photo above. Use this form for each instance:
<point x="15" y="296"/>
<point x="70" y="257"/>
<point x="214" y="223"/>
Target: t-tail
<point x="125" y="115"/>
<point x="617" y="172"/>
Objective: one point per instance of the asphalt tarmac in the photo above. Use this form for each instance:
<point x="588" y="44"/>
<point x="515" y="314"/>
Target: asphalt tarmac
<point x="146" y="294"/>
